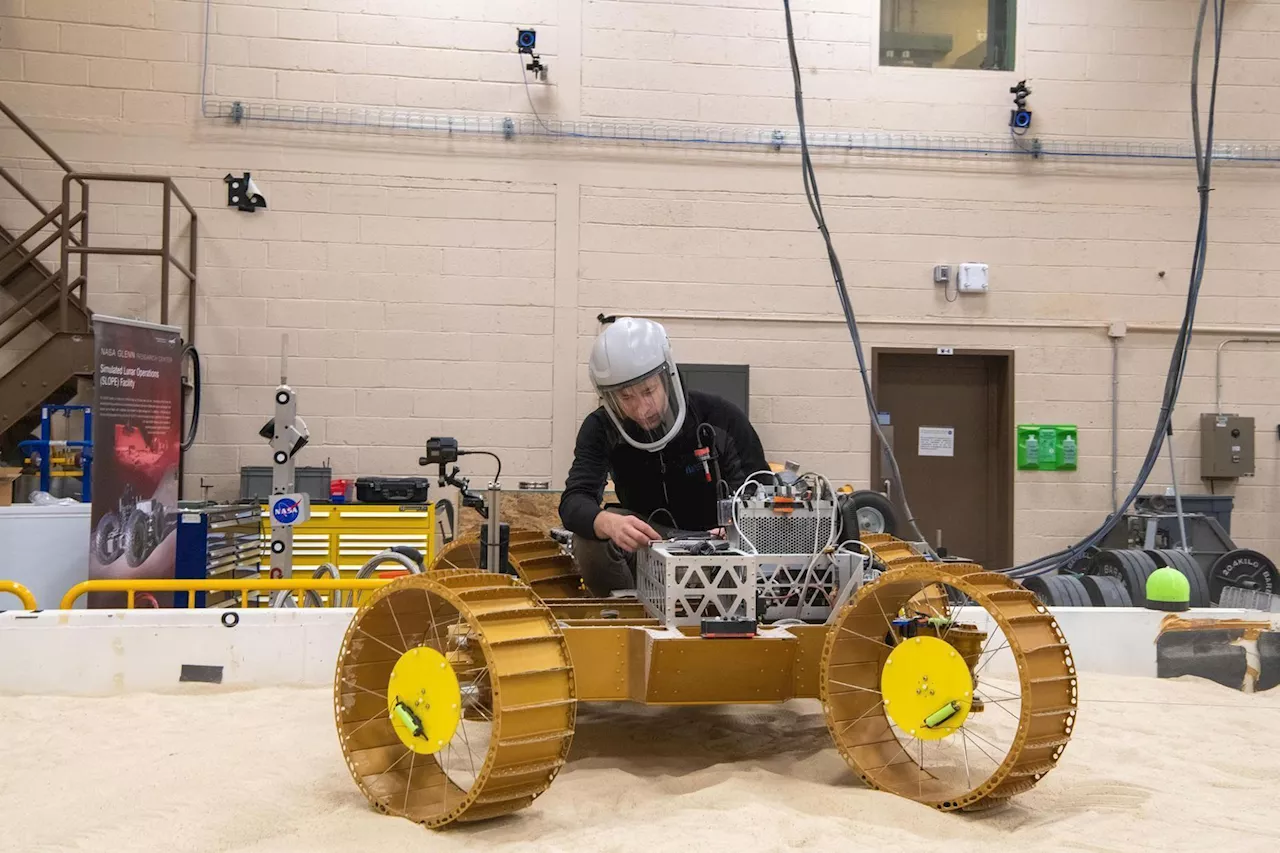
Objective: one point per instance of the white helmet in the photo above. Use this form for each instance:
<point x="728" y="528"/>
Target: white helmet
<point x="634" y="374"/>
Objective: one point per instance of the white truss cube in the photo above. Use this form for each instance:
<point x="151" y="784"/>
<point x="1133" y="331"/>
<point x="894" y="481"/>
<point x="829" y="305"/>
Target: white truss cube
<point x="680" y="587"/>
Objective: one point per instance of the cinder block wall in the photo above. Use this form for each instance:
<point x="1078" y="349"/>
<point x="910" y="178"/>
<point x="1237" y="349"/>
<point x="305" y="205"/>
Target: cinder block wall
<point x="435" y="283"/>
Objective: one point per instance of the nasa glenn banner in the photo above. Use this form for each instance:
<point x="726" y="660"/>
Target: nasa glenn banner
<point x="137" y="436"/>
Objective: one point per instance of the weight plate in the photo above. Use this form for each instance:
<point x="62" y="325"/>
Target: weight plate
<point x="1091" y="586"/>
<point x="1105" y="591"/>
<point x="1246" y="569"/>
<point x="1186" y="564"/>
<point x="1132" y="568"/>
<point x="1075" y="591"/>
<point x="1048" y="590"/>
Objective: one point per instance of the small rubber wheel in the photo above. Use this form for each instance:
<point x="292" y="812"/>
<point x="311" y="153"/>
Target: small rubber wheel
<point x="869" y="511"/>
<point x="107" y="543"/>
<point x="1185" y="563"/>
<point x="1106" y="591"/>
<point x="137" y="532"/>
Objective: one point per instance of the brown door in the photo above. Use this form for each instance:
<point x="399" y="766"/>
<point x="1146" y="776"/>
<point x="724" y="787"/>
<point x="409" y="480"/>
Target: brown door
<point x="952" y="434"/>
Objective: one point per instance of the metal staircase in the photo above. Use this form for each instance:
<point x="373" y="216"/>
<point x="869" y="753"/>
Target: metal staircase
<point x="46" y="329"/>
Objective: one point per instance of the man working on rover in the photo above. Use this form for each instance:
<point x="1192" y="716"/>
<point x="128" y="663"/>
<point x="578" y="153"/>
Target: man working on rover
<point x="646" y="434"/>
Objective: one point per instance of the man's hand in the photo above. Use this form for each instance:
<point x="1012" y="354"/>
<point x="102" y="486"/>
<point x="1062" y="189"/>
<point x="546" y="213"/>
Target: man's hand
<point x="628" y="532"/>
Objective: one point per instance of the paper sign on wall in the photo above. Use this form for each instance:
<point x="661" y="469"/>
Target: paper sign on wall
<point x="937" y="441"/>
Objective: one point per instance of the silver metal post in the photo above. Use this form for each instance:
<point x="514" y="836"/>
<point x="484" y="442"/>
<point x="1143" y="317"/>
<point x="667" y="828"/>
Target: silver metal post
<point x="1177" y="496"/>
<point x="287" y="434"/>
<point x="494" y="551"/>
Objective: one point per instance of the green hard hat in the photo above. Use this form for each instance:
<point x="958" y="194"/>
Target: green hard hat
<point x="1168" y="589"/>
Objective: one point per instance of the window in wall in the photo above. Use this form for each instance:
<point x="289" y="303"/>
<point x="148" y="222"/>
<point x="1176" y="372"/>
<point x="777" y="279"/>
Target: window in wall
<point x="947" y="33"/>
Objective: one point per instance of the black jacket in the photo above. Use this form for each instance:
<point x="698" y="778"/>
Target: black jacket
<point x="670" y="479"/>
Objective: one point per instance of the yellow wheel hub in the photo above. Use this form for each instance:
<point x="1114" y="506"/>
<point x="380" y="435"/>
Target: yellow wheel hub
<point x="927" y="688"/>
<point x="424" y="700"/>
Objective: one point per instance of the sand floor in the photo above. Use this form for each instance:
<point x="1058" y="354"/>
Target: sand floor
<point x="1168" y="765"/>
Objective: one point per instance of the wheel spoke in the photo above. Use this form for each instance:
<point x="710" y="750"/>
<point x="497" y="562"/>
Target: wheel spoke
<point x="393" y="764"/>
<point x="374" y="718"/>
<point x="855" y="687"/>
<point x="381" y="642"/>
<point x="977" y="736"/>
<point x="354" y="686"/>
<point x="862" y="636"/>
<point x="1006" y="710"/>
<point x="861" y="717"/>
<point x="987" y="685"/>
<point x="408" y="785"/>
<point x="391" y="609"/>
<point x="470" y="752"/>
<point x="979" y="667"/>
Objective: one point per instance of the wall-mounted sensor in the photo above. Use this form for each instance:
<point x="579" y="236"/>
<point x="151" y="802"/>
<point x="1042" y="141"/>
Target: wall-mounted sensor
<point x="1020" y="116"/>
<point x="972" y="278"/>
<point x="526" y="40"/>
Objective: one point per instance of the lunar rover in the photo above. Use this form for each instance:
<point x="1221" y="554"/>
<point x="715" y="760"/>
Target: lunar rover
<point x="133" y="529"/>
<point x="457" y="689"/>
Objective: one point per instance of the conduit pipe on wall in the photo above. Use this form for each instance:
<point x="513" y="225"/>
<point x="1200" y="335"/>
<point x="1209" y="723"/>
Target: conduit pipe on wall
<point x="1115" y="331"/>
<point x="381" y="119"/>
<point x="389" y="119"/>
<point x="1115" y="418"/>
<point x="1217" y="365"/>
<point x="945" y="322"/>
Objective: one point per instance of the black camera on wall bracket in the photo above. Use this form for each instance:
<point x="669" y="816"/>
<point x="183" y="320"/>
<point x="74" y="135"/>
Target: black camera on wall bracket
<point x="526" y="40"/>
<point x="1020" y="116"/>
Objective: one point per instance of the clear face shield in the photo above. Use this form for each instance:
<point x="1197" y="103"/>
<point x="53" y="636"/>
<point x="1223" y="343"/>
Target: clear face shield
<point x="648" y="411"/>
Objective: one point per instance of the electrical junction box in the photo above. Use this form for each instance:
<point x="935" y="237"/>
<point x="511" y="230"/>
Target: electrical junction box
<point x="1047" y="447"/>
<point x="1226" y="446"/>
<point x="972" y="278"/>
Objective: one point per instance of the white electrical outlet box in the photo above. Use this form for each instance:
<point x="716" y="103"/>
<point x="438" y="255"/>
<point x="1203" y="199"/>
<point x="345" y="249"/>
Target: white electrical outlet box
<point x="972" y="278"/>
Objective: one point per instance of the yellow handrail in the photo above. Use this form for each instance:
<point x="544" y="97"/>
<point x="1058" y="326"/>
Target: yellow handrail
<point x="24" y="595"/>
<point x="134" y="586"/>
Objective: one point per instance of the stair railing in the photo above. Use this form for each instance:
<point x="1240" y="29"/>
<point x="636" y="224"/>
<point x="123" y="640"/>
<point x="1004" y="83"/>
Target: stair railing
<point x="64" y="227"/>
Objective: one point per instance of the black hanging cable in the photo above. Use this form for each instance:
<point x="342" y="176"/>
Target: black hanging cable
<point x="498" y="475"/>
<point x="815" y="205"/>
<point x="1182" y="346"/>
<point x="1178" y="358"/>
<point x="190" y="439"/>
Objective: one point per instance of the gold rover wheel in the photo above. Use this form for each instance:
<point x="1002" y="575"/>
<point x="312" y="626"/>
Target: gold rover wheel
<point x="925" y="716"/>
<point x="538" y="560"/>
<point x="454" y="697"/>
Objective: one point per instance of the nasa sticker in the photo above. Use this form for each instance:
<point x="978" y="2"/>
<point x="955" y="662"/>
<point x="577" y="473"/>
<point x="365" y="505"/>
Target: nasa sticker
<point x="289" y="510"/>
<point x="286" y="511"/>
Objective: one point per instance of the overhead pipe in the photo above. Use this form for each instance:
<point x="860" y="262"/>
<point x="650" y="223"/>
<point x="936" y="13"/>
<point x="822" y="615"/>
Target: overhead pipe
<point x="508" y="127"/>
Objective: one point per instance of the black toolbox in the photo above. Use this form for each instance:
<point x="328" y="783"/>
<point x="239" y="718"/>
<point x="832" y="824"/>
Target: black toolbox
<point x="392" y="490"/>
